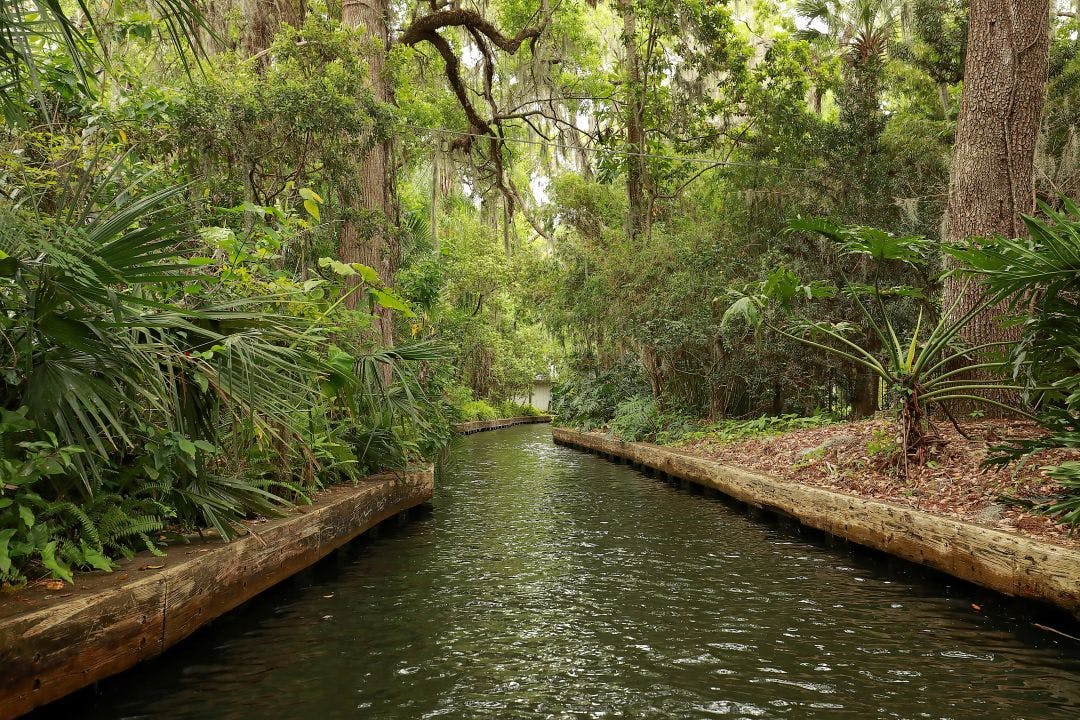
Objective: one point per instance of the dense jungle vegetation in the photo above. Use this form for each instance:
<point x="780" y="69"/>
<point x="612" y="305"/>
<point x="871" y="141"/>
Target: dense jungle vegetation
<point x="249" y="249"/>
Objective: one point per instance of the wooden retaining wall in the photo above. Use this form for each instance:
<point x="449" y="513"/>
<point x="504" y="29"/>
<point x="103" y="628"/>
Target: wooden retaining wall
<point x="998" y="560"/>
<point x="484" y="425"/>
<point x="52" y="644"/>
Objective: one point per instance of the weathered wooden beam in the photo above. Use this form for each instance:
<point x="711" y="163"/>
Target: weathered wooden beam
<point x="53" y="645"/>
<point x="484" y="425"/>
<point x="998" y="560"/>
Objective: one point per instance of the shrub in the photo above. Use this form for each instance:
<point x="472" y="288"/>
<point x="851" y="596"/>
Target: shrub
<point x="927" y="365"/>
<point x="723" y="432"/>
<point x="590" y="400"/>
<point x="642" y="418"/>
<point x="511" y="409"/>
<point x="1041" y="278"/>
<point x="478" y="410"/>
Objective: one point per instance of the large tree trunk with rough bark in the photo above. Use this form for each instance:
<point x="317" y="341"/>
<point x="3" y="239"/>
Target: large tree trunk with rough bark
<point x="635" y="124"/>
<point x="992" y="180"/>
<point x="364" y="235"/>
<point x="249" y="26"/>
<point x="263" y="18"/>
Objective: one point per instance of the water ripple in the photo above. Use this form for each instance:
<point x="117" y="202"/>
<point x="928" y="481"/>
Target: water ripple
<point x="551" y="584"/>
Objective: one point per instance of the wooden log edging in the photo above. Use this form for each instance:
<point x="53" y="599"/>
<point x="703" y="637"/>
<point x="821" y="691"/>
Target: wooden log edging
<point x="52" y="646"/>
<point x="484" y="425"/>
<point x="994" y="559"/>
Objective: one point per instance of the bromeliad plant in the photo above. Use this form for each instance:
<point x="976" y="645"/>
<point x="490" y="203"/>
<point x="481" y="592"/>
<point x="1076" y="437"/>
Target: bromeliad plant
<point x="926" y="364"/>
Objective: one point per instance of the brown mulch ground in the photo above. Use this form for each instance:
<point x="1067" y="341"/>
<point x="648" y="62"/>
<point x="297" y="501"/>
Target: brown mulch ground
<point x="840" y="458"/>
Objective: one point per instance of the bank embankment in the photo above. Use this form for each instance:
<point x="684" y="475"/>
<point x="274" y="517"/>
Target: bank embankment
<point x="998" y="560"/>
<point x="484" y="425"/>
<point x="56" y="643"/>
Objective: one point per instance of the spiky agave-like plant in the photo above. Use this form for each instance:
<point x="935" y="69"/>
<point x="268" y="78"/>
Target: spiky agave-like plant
<point x="926" y="365"/>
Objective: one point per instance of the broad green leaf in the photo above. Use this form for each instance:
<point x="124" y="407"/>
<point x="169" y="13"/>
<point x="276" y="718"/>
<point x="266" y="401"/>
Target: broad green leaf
<point x="337" y="267"/>
<point x="54" y="565"/>
<point x="5" y="559"/>
<point x="187" y="446"/>
<point x="746" y="308"/>
<point x="8" y="266"/>
<point x="339" y="359"/>
<point x="392" y="302"/>
<point x="95" y="558"/>
<point x="15" y="420"/>
<point x="369" y="274"/>
<point x="313" y="209"/>
<point x="27" y="516"/>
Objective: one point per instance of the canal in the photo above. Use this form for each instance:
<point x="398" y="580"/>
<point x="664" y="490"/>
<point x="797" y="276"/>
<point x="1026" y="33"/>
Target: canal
<point x="547" y="583"/>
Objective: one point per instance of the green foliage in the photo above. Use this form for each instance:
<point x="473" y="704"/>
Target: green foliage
<point x="472" y="295"/>
<point x="185" y="346"/>
<point x="35" y="38"/>
<point x="641" y="418"/>
<point x="313" y="106"/>
<point x="925" y="365"/>
<point x="724" y="432"/>
<point x="171" y="329"/>
<point x="1040" y="276"/>
<point x="477" y="410"/>
<point x="1067" y="508"/>
<point x="939" y="39"/>
<point x="55" y="534"/>
<point x="92" y="335"/>
<point x="511" y="409"/>
<point x="591" y="401"/>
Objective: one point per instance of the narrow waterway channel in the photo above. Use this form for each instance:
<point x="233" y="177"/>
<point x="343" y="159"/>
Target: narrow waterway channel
<point x="547" y="583"/>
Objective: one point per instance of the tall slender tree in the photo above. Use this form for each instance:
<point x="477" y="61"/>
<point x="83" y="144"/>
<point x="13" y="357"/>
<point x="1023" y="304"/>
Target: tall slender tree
<point x="634" y="99"/>
<point x="363" y="236"/>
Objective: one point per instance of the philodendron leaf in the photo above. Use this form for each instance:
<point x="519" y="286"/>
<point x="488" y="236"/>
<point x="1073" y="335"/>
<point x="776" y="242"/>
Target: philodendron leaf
<point x="392" y="302"/>
<point x="95" y="558"/>
<point x="5" y="559"/>
<point x="53" y="565"/>
<point x="337" y="267"/>
<point x="370" y="276"/>
<point x="27" y="516"/>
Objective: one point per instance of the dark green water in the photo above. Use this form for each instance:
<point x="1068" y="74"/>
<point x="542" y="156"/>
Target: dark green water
<point x="546" y="583"/>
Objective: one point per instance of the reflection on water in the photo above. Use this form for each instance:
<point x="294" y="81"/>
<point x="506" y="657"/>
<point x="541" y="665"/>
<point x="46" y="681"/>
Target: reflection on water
<point x="546" y="583"/>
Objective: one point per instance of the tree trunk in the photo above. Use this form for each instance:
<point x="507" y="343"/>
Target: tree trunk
<point x="262" y="20"/>
<point x="943" y="96"/>
<point x="635" y="124"/>
<point x="374" y="200"/>
<point x="864" y="397"/>
<point x="992" y="178"/>
<point x="249" y="26"/>
<point x="433" y="220"/>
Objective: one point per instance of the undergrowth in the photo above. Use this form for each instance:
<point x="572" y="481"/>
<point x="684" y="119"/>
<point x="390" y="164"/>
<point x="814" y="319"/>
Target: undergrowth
<point x="724" y="432"/>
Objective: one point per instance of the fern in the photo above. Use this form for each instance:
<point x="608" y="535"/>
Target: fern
<point x="88" y="526"/>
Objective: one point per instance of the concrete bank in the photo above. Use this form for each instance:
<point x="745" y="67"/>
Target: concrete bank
<point x="1001" y="561"/>
<point x="52" y="644"/>
<point x="484" y="425"/>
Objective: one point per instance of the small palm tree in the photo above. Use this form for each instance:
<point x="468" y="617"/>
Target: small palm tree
<point x="862" y="29"/>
